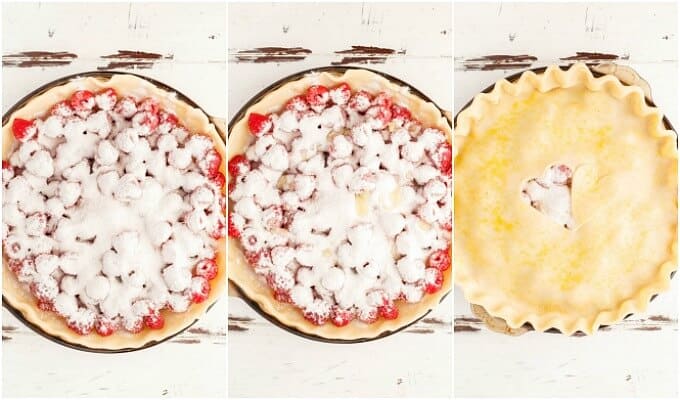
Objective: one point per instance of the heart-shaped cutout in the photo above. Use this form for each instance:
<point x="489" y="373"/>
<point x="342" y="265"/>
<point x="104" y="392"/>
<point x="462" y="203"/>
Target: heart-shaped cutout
<point x="550" y="194"/>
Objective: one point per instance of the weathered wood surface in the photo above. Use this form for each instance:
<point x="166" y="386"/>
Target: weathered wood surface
<point x="638" y="357"/>
<point x="412" y="42"/>
<point x="45" y="41"/>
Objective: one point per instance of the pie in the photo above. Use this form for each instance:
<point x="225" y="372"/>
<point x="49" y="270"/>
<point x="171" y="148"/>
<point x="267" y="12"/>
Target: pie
<point x="340" y="205"/>
<point x="566" y="200"/>
<point x="114" y="204"/>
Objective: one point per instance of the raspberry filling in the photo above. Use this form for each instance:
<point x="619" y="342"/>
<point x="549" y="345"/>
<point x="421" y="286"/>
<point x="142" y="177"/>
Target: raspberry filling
<point x="342" y="204"/>
<point x="111" y="212"/>
<point x="550" y="194"/>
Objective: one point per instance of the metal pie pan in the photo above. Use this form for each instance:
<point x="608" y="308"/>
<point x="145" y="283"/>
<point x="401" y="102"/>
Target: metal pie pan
<point x="5" y="118"/>
<point x="242" y="114"/>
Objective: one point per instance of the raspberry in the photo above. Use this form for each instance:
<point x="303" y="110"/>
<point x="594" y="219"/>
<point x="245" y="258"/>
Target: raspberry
<point x="282" y="296"/>
<point x="259" y="124"/>
<point x="62" y="109"/>
<point x="154" y="320"/>
<point x="433" y="280"/>
<point x="81" y="329"/>
<point x="218" y="232"/>
<point x="380" y="116"/>
<point x="23" y="129"/>
<point x="149" y="105"/>
<point x="147" y="119"/>
<point x="206" y="268"/>
<point x="253" y="257"/>
<point x="340" y="94"/>
<point x="317" y="96"/>
<point x="272" y="217"/>
<point x="218" y="179"/>
<point x="360" y="101"/>
<point x="340" y="317"/>
<point x="440" y="260"/>
<point x="400" y="114"/>
<point x="104" y="326"/>
<point x="106" y="99"/>
<point x="134" y="326"/>
<point x="46" y="305"/>
<point x="383" y="99"/>
<point x="127" y="107"/>
<point x="82" y="100"/>
<point x="238" y="165"/>
<point x="368" y="317"/>
<point x="210" y="163"/>
<point x="199" y="290"/>
<point x="441" y="157"/>
<point x="388" y="310"/>
<point x="315" y="318"/>
<point x="447" y="224"/>
<point x="235" y="225"/>
<point x="169" y="119"/>
<point x="297" y="103"/>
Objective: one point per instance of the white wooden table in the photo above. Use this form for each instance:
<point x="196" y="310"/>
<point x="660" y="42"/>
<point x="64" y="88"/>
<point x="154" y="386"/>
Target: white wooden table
<point x="411" y="42"/>
<point x="637" y="358"/>
<point x="189" y="56"/>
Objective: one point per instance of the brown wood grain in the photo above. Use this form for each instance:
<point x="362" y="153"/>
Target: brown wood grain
<point x="272" y="54"/>
<point x="494" y="62"/>
<point x="360" y="54"/>
<point x="132" y="59"/>
<point x="28" y="59"/>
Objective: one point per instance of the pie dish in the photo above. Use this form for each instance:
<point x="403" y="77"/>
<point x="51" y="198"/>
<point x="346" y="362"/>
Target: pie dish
<point x="566" y="200"/>
<point x="340" y="205"/>
<point x="113" y="213"/>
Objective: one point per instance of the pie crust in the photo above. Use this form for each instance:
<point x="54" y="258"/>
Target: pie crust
<point x="49" y="322"/>
<point x="251" y="285"/>
<point x="518" y="263"/>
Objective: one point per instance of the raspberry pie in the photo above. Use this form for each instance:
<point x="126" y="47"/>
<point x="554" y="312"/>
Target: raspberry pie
<point x="340" y="205"/>
<point x="566" y="200"/>
<point x="113" y="212"/>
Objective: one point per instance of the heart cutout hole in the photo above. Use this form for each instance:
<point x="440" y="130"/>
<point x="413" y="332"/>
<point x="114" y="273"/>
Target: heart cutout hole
<point x="550" y="194"/>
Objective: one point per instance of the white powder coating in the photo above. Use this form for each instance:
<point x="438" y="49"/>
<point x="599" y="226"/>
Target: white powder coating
<point x="362" y="208"/>
<point x="98" y="206"/>
<point x="551" y="194"/>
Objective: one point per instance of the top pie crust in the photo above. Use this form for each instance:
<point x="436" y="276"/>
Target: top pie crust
<point x="22" y="300"/>
<point x="251" y="285"/>
<point x="518" y="263"/>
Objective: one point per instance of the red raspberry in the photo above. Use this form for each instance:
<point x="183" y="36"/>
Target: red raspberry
<point x="104" y="326"/>
<point x="400" y="114"/>
<point x="388" y="310"/>
<point x="272" y="217"/>
<point x="46" y="305"/>
<point x="383" y="99"/>
<point x="234" y="230"/>
<point x="315" y="318"/>
<point x="368" y="317"/>
<point x="360" y="101"/>
<point x="127" y="107"/>
<point x="154" y="320"/>
<point x="380" y="116"/>
<point x="441" y="157"/>
<point x="199" y="290"/>
<point x="238" y="165"/>
<point x="62" y="109"/>
<point x="110" y="94"/>
<point x="149" y="105"/>
<point x="433" y="280"/>
<point x="259" y="124"/>
<point x="340" y="94"/>
<point x="135" y="326"/>
<point x="210" y="163"/>
<point x="440" y="260"/>
<point x="340" y="317"/>
<point x="317" y="96"/>
<point x="218" y="233"/>
<point x="447" y="224"/>
<point x="206" y="268"/>
<point x="253" y="257"/>
<point x="218" y="179"/>
<point x="82" y="100"/>
<point x="79" y="328"/>
<point x="280" y="294"/>
<point x="7" y="170"/>
<point x="147" y="119"/>
<point x="23" y="129"/>
<point x="297" y="103"/>
<point x="169" y="119"/>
